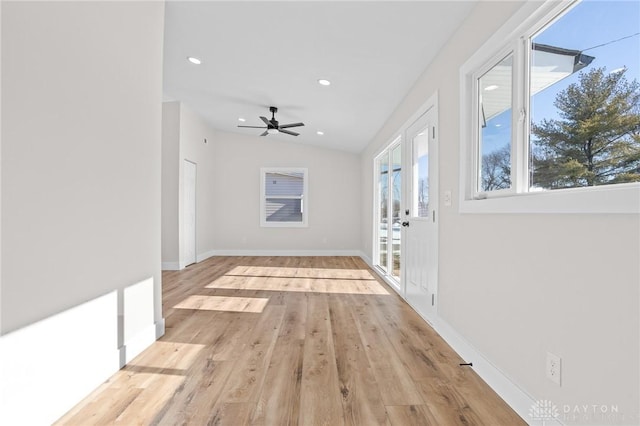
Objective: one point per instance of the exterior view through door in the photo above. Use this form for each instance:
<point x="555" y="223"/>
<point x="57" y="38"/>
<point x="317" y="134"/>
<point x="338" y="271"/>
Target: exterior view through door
<point x="406" y="222"/>
<point x="388" y="233"/>
<point x="421" y="275"/>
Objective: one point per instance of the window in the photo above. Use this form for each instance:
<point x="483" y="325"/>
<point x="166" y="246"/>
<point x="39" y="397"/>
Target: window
<point x="388" y="201"/>
<point x="284" y="199"/>
<point x="554" y="102"/>
<point x="494" y="141"/>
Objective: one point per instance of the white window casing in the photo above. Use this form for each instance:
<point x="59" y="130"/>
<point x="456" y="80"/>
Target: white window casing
<point x="513" y="38"/>
<point x="284" y="197"/>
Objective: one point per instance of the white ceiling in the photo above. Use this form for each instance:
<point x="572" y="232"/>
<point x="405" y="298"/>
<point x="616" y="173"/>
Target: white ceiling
<point x="258" y="54"/>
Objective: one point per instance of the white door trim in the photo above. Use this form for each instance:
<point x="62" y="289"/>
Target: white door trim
<point x="189" y="233"/>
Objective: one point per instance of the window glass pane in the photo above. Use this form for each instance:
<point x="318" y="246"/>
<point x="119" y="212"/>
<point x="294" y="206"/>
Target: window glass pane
<point x="383" y="197"/>
<point x="284" y="198"/>
<point x="585" y="100"/>
<point x="283" y="209"/>
<point x="284" y="184"/>
<point x="421" y="173"/>
<point x="396" y="201"/>
<point x="495" y="110"/>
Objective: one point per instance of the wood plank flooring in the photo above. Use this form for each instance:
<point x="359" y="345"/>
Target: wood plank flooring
<point x="291" y="341"/>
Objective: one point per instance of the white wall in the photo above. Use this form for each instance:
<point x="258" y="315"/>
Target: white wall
<point x="228" y="192"/>
<point x="81" y="118"/>
<point x="183" y="138"/>
<point x="518" y="285"/>
<point x="193" y="133"/>
<point x="334" y="197"/>
<point x="170" y="184"/>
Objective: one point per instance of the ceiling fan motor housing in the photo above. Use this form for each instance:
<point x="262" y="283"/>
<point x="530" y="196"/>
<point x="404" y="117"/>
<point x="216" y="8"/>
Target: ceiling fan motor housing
<point x="273" y="126"/>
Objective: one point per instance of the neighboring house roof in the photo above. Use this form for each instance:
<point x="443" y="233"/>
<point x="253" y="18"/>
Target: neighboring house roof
<point x="292" y="175"/>
<point x="580" y="59"/>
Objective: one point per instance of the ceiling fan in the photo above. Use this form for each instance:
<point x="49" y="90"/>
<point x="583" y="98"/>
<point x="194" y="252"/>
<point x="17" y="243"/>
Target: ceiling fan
<point x="274" y="127"/>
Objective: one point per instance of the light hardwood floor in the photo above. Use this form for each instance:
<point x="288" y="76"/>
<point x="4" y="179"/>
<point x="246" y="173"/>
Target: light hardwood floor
<point x="291" y="340"/>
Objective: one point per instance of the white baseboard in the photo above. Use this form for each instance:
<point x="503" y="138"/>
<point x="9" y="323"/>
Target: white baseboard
<point x="170" y="266"/>
<point x="160" y="328"/>
<point x="177" y="266"/>
<point x="516" y="397"/>
<point x="140" y="342"/>
<point x="204" y="256"/>
<point x="366" y="259"/>
<point x="57" y="361"/>
<point x="286" y="253"/>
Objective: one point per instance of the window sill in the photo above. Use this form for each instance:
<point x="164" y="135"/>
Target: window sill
<point x="283" y="225"/>
<point x="618" y="199"/>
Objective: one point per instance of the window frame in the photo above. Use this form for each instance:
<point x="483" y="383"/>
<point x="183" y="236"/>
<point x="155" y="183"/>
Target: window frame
<point x="497" y="58"/>
<point x="304" y="197"/>
<point x="387" y="153"/>
<point x="513" y="38"/>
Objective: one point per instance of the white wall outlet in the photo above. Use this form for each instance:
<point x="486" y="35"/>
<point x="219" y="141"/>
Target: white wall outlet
<point x="447" y="198"/>
<point x="554" y="368"/>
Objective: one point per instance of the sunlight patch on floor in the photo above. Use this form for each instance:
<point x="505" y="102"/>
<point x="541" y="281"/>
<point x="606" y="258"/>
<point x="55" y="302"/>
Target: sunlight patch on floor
<point x="224" y="303"/>
<point x="169" y="355"/>
<point x="278" y="271"/>
<point x="313" y="282"/>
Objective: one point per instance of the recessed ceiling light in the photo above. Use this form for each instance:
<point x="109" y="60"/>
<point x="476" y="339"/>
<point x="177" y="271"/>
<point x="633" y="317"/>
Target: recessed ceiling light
<point x="320" y="132"/>
<point x="324" y="82"/>
<point x="194" y="60"/>
<point x="241" y="119"/>
<point x="490" y="88"/>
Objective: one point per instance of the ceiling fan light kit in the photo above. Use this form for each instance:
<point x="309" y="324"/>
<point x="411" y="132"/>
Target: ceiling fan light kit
<point x="273" y="126"/>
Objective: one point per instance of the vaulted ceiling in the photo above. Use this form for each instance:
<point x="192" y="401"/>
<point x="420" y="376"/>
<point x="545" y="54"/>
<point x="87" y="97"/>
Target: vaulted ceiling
<point x="260" y="54"/>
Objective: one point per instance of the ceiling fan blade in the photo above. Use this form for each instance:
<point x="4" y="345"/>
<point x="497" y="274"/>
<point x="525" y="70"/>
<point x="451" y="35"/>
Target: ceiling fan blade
<point x="254" y="127"/>
<point x="285" y="126"/>
<point x="265" y="133"/>
<point x="288" y="132"/>
<point x="267" y="122"/>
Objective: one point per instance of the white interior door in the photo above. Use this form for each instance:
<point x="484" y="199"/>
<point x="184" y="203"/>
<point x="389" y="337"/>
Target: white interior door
<point x="189" y="213"/>
<point x="420" y="221"/>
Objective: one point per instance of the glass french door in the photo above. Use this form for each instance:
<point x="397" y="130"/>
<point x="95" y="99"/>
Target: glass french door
<point x="421" y="237"/>
<point x="388" y="211"/>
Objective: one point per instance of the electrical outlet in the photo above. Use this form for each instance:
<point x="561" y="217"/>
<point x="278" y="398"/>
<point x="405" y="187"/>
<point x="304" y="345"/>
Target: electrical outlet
<point x="554" y="368"/>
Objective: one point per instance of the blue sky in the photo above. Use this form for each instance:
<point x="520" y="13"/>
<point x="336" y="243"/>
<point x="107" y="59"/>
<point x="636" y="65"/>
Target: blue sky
<point x="588" y="24"/>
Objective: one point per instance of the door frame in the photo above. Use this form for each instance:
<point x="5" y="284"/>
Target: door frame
<point x="387" y="150"/>
<point x="183" y="215"/>
<point x="401" y="134"/>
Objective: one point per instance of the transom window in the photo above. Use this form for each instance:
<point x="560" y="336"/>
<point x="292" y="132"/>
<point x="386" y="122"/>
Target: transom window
<point x="555" y="104"/>
<point x="284" y="200"/>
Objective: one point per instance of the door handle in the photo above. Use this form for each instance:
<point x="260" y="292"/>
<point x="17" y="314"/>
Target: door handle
<point x="405" y="223"/>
